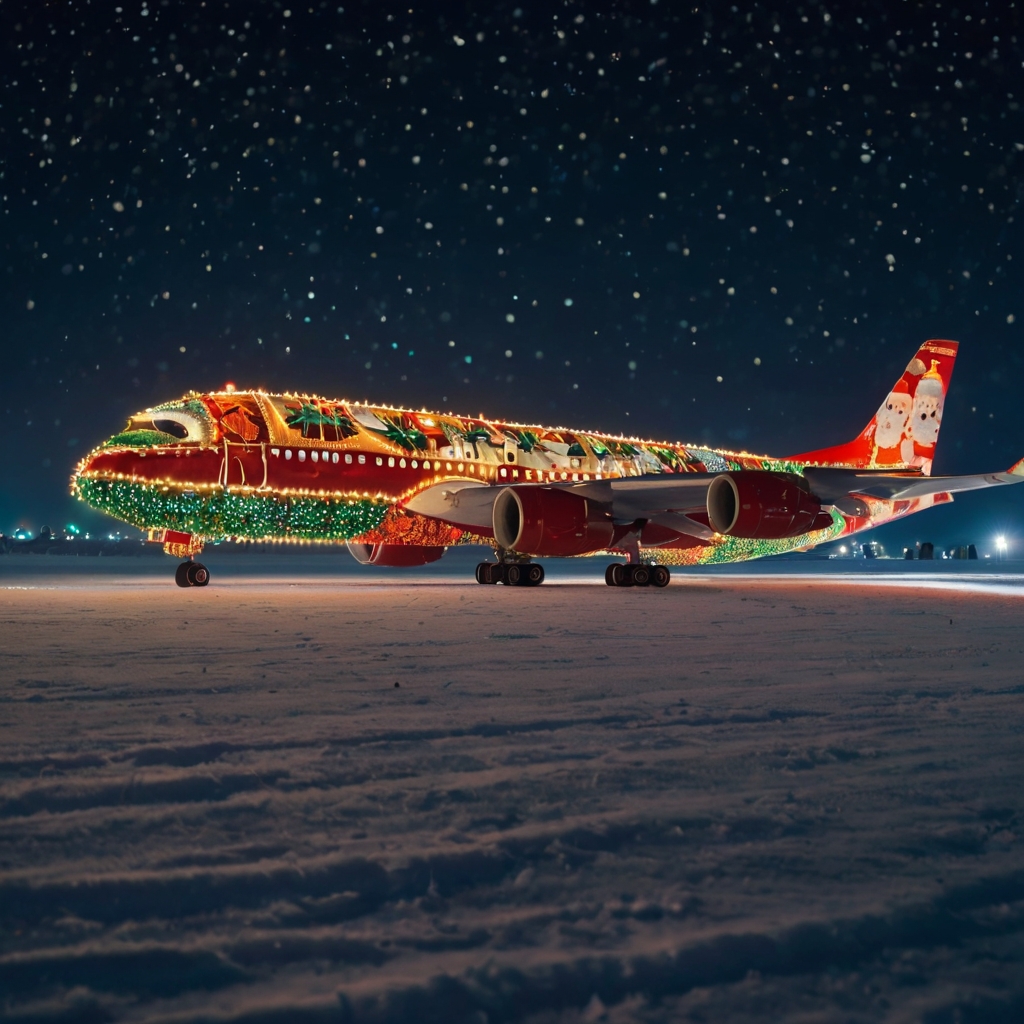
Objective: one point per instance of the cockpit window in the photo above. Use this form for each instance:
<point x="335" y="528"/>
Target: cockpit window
<point x="172" y="427"/>
<point x="185" y="421"/>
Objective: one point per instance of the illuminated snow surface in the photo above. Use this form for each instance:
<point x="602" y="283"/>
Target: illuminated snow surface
<point x="750" y="796"/>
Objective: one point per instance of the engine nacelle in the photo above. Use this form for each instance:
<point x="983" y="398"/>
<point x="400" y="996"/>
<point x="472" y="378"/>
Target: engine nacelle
<point x="548" y="521"/>
<point x="764" y="506"/>
<point x="394" y="554"/>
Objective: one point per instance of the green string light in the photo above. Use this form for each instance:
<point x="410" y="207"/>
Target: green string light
<point x="215" y="515"/>
<point x="742" y="549"/>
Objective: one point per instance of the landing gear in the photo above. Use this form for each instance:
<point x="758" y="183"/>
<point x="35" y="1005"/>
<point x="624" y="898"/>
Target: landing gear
<point x="660" y="576"/>
<point x="197" y="574"/>
<point x="616" y="575"/>
<point x="529" y="574"/>
<point x="619" y="575"/>
<point x="512" y="574"/>
<point x="489" y="572"/>
<point x="192" y="574"/>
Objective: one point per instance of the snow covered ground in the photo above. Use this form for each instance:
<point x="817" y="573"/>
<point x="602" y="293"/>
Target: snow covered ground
<point x="750" y="796"/>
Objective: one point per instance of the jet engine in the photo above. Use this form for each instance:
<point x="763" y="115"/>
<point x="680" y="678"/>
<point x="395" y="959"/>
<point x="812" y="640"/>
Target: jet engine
<point x="763" y="506"/>
<point x="394" y="554"/>
<point x="547" y="521"/>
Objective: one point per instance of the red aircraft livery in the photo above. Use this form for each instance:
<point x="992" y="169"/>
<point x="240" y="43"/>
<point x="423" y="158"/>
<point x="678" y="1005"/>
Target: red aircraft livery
<point x="400" y="487"/>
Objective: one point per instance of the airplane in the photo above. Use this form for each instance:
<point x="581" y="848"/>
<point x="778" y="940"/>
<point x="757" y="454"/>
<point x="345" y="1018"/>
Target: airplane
<point x="399" y="487"/>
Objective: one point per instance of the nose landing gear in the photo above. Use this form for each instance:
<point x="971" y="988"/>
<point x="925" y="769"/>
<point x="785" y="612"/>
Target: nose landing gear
<point x="192" y="574"/>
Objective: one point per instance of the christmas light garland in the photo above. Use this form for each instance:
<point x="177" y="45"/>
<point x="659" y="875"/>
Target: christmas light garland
<point x="741" y="549"/>
<point x="139" y="439"/>
<point x="218" y="514"/>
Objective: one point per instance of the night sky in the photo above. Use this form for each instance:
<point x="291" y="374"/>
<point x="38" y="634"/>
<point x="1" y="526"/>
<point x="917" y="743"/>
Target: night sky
<point x="721" y="224"/>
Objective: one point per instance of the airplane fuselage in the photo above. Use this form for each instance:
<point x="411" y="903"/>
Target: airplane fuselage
<point x="261" y="466"/>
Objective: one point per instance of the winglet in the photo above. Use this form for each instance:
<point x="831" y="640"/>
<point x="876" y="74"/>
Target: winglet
<point x="1017" y="469"/>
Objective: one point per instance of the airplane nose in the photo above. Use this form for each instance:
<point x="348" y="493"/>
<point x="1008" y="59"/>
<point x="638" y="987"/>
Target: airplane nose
<point x="88" y="464"/>
<point x="165" y="465"/>
<point x="91" y="464"/>
<point x="102" y="462"/>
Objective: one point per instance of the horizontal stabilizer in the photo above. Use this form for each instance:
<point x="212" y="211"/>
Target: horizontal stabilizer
<point x="832" y="486"/>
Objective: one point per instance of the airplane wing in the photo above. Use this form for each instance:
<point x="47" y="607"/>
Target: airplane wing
<point x="666" y="499"/>
<point x="463" y="503"/>
<point x="679" y="501"/>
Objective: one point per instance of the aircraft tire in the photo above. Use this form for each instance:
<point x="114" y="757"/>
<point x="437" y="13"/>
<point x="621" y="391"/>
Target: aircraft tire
<point x="484" y="574"/>
<point x="534" y="575"/>
<point x="618" y="575"/>
<point x="197" y="574"/>
<point x="514" y="575"/>
<point x="660" y="576"/>
<point x="640" y="575"/>
<point x="180" y="575"/>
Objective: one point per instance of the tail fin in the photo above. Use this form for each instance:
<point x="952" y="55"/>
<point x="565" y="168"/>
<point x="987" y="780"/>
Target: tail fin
<point x="904" y="431"/>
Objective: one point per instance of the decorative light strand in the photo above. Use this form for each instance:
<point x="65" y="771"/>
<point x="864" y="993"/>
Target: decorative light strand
<point x="217" y="515"/>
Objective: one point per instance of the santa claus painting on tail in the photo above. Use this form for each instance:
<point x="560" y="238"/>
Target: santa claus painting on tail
<point x="925" y="420"/>
<point x="905" y="429"/>
<point x="903" y="433"/>
<point x="891" y="422"/>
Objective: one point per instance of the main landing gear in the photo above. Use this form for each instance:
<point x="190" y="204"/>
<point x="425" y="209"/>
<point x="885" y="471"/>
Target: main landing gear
<point x="192" y="574"/>
<point x="619" y="575"/>
<point x="515" y="574"/>
<point x="512" y="574"/>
